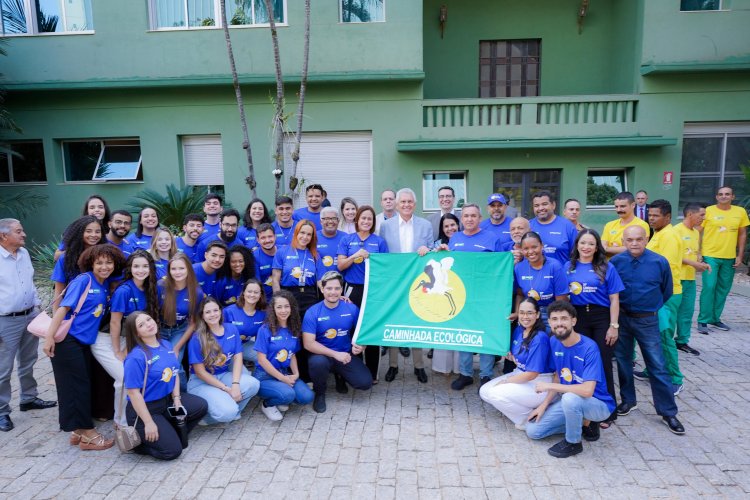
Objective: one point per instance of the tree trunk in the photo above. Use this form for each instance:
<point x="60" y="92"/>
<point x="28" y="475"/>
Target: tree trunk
<point x="278" y="119"/>
<point x="250" y="179"/>
<point x="301" y="106"/>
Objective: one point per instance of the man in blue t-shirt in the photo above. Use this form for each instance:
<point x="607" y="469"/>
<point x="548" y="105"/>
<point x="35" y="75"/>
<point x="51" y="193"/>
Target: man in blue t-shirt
<point x="192" y="228"/>
<point x="205" y="272"/>
<point x="228" y="233"/>
<point x="329" y="238"/>
<point x="327" y="330"/>
<point x="212" y="207"/>
<point x="119" y="227"/>
<point x="284" y="223"/>
<point x="312" y="212"/>
<point x="579" y="377"/>
<point x="558" y="233"/>
<point x="264" y="254"/>
<point x="497" y="223"/>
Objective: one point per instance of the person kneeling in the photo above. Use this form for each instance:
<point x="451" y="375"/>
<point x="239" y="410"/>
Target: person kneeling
<point x="579" y="376"/>
<point x="276" y="343"/>
<point x="216" y="370"/>
<point x="155" y="361"/>
<point x="327" y="329"/>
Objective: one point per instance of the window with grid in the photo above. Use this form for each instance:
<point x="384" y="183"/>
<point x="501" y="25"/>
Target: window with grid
<point x="189" y="14"/>
<point x="509" y="68"/>
<point x="34" y="17"/>
<point x="518" y="186"/>
<point x="22" y="162"/>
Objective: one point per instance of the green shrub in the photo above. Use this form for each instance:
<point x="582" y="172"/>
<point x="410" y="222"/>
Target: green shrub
<point x="172" y="207"/>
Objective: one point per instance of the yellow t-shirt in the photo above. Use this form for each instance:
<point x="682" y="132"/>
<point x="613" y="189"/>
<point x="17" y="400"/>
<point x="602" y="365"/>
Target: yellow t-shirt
<point x="691" y="242"/>
<point x="668" y="244"/>
<point x="720" y="231"/>
<point x="612" y="233"/>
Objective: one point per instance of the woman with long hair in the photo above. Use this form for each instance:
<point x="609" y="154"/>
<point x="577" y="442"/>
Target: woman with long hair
<point x="256" y="214"/>
<point x="81" y="234"/>
<point x="148" y="221"/>
<point x="349" y="210"/>
<point x="296" y="267"/>
<point x="239" y="266"/>
<point x="162" y="248"/>
<point x="514" y="394"/>
<point x="277" y="343"/>
<point x="94" y="205"/>
<point x="71" y="357"/>
<point x="595" y="290"/>
<point x="248" y="315"/>
<point x="149" y="402"/>
<point x="216" y="370"/>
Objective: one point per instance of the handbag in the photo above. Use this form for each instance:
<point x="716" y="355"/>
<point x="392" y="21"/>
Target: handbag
<point x="39" y="326"/>
<point x="127" y="436"/>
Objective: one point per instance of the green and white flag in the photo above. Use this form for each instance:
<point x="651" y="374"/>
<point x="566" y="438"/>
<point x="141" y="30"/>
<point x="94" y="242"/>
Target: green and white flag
<point x="444" y="300"/>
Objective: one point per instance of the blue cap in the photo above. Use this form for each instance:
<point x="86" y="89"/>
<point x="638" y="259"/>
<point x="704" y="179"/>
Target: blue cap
<point x="496" y="197"/>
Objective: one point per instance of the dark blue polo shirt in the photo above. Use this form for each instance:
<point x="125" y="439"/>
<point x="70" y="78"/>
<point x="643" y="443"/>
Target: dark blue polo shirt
<point x="647" y="280"/>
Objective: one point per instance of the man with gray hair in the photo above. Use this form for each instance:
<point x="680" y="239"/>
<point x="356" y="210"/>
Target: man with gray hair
<point x="329" y="237"/>
<point x="18" y="301"/>
<point x="406" y="234"/>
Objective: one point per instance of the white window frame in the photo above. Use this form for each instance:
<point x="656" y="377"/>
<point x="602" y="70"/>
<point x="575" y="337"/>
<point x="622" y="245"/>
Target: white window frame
<point x="29" y="8"/>
<point x="9" y="165"/>
<point x="152" y="11"/>
<point x="215" y="178"/>
<point x="103" y="145"/>
<point x="133" y="177"/>
<point x="614" y="171"/>
<point x="425" y="189"/>
<point x="722" y="8"/>
<point x="341" y="15"/>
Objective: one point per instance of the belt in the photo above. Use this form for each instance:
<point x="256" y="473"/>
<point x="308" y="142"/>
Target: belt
<point x="300" y="289"/>
<point x="640" y="315"/>
<point x="20" y="313"/>
<point x="592" y="307"/>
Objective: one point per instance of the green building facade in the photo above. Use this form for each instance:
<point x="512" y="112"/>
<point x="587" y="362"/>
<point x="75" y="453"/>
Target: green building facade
<point x="583" y="98"/>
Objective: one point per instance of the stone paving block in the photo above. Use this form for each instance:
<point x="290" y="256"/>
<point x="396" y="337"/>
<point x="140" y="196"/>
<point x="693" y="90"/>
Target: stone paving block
<point x="258" y="481"/>
<point x="126" y="491"/>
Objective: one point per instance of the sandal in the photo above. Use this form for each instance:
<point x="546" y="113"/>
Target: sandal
<point x="606" y="424"/>
<point x="75" y="438"/>
<point x="96" y="443"/>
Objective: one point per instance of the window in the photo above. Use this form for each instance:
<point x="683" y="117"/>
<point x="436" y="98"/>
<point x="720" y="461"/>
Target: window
<point x="203" y="160"/>
<point x="509" y="68"/>
<point x="693" y="5"/>
<point x="102" y="160"/>
<point x="519" y="185"/>
<point x="25" y="163"/>
<point x="432" y="181"/>
<point x="714" y="155"/>
<point x="362" y="11"/>
<point x="45" y="16"/>
<point x="603" y="185"/>
<point x="182" y="14"/>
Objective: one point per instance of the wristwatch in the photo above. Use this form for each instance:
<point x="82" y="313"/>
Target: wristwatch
<point x="615" y="325"/>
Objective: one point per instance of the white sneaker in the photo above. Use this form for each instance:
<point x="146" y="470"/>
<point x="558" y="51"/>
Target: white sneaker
<point x="521" y="426"/>
<point x="271" y="412"/>
<point x="282" y="407"/>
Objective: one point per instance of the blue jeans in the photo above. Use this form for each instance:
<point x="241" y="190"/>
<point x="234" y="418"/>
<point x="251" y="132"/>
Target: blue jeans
<point x="249" y="353"/>
<point x="221" y="406"/>
<point x="646" y="332"/>
<point x="173" y="335"/>
<point x="566" y="415"/>
<point x="274" y="392"/>
<point x="466" y="364"/>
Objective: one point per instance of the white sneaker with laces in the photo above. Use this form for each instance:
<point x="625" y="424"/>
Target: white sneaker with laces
<point x="271" y="412"/>
<point x="282" y="407"/>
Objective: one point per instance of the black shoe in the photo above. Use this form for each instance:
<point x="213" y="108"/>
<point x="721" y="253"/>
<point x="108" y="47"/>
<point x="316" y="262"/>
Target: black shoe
<point x="591" y="432"/>
<point x="484" y="380"/>
<point x="461" y="382"/>
<point x="341" y="387"/>
<point x="642" y="375"/>
<point x="564" y="449"/>
<point x="383" y="351"/>
<point x="6" y="424"/>
<point x="720" y="326"/>
<point x="686" y="348"/>
<point x="421" y="375"/>
<point x="405" y="351"/>
<point x="391" y="374"/>
<point x="319" y="404"/>
<point x="626" y="408"/>
<point x="430" y="353"/>
<point x="38" y="404"/>
<point x="703" y="328"/>
<point x="674" y="425"/>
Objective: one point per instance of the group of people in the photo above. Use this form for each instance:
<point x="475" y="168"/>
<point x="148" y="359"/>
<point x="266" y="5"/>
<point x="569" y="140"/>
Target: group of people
<point x="238" y="292"/>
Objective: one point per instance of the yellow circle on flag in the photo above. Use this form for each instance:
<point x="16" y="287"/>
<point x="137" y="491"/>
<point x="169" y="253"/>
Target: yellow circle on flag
<point x="435" y="302"/>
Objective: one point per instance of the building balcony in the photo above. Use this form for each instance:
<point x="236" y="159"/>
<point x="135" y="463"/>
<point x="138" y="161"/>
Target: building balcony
<point x="531" y="122"/>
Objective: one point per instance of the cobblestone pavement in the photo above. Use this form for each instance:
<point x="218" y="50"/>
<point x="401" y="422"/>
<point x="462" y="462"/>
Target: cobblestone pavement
<point x="408" y="440"/>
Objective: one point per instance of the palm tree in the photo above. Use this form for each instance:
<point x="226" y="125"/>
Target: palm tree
<point x="278" y="117"/>
<point x="301" y="105"/>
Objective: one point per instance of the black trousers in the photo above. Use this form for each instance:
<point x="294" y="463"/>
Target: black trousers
<point x="71" y="365"/>
<point x="594" y="324"/>
<point x="168" y="446"/>
<point x="371" y="356"/>
<point x="354" y="372"/>
<point x="305" y="300"/>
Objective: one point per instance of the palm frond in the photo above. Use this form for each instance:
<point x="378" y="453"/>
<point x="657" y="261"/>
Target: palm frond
<point x="21" y="204"/>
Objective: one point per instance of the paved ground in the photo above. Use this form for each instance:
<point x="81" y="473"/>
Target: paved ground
<point x="408" y="440"/>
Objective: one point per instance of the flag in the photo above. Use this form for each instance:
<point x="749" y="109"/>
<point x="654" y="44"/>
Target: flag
<point x="444" y="300"/>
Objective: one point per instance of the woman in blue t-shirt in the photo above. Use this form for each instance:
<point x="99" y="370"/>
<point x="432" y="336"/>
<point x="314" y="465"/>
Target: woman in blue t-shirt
<point x="256" y="214"/>
<point x="277" y="343"/>
<point x="297" y="267"/>
<point x="248" y="315"/>
<point x="148" y="402"/>
<point x="162" y="248"/>
<point x="514" y="394"/>
<point x="216" y="370"/>
<point x="71" y="357"/>
<point x="148" y="221"/>
<point x="595" y="290"/>
<point x="239" y="266"/>
<point x="81" y="234"/>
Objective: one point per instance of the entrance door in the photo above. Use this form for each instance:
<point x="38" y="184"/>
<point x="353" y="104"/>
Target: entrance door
<point x="518" y="186"/>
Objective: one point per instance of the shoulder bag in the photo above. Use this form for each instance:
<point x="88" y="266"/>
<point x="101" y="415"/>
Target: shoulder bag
<point x="39" y="326"/>
<point x="127" y="436"/>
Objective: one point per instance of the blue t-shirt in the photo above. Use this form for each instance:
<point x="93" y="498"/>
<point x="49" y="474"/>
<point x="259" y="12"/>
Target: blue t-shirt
<point x="501" y="231"/>
<point x="227" y="290"/>
<point x="581" y="363"/>
<point x="558" y="237"/>
<point x="85" y="326"/>
<point x="209" y="231"/>
<point x="328" y="249"/>
<point x="128" y="298"/>
<point x="541" y="284"/>
<point x="183" y="308"/>
<point x="247" y="325"/>
<point x="483" y="241"/>
<point x="143" y="242"/>
<point x="332" y="327"/>
<point x="162" y="370"/>
<point x="278" y="348"/>
<point x="187" y="250"/>
<point x="204" y="241"/>
<point x="161" y="266"/>
<point x="249" y="237"/>
<point x="586" y="286"/>
<point x="125" y="246"/>
<point x="263" y="269"/>
<point x="58" y="272"/>
<point x="229" y="343"/>
<point x="305" y="213"/>
<point x="350" y="244"/>
<point x="283" y="234"/>
<point x="298" y="267"/>
<point x="536" y="357"/>
<point x="206" y="281"/>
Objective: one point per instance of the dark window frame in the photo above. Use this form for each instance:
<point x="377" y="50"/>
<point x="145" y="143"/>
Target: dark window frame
<point x="508" y="61"/>
<point x="7" y="162"/>
<point x="527" y="186"/>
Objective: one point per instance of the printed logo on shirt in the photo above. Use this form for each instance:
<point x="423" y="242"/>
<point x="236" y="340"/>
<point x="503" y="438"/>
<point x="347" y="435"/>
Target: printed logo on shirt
<point x="166" y="375"/>
<point x="282" y="355"/>
<point x="221" y="359"/>
<point x="575" y="288"/>
<point x="328" y="261"/>
<point x="331" y="333"/>
<point x="437" y="293"/>
<point x="98" y="311"/>
<point x="566" y="375"/>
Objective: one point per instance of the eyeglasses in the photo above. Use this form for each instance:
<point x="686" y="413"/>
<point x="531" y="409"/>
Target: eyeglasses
<point x="527" y="313"/>
<point x="324" y="219"/>
<point x="444" y="196"/>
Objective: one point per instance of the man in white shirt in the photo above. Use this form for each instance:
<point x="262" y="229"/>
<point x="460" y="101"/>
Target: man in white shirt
<point x="388" y="203"/>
